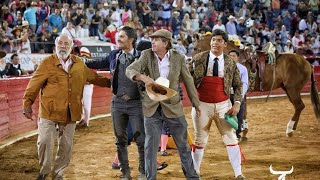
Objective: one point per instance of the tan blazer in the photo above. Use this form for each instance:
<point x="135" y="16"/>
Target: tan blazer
<point x="148" y="65"/>
<point x="231" y="73"/>
<point x="60" y="91"/>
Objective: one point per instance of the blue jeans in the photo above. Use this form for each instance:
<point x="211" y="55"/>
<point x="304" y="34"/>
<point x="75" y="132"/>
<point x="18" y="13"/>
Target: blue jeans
<point x="123" y="113"/>
<point x="178" y="129"/>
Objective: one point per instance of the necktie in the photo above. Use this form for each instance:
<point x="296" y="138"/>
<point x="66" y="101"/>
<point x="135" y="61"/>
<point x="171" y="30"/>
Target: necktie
<point x="215" y="67"/>
<point x="123" y="58"/>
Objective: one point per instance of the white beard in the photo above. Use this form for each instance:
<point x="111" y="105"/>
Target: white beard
<point x="62" y="54"/>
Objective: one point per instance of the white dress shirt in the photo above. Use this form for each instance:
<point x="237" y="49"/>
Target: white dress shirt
<point x="211" y="63"/>
<point x="17" y="66"/>
<point x="244" y="78"/>
<point x="164" y="65"/>
<point x="65" y="65"/>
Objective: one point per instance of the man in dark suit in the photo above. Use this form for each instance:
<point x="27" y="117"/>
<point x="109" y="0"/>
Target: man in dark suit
<point x="13" y="68"/>
<point x="162" y="61"/>
<point x="126" y="102"/>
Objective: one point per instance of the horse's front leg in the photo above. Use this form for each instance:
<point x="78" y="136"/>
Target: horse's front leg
<point x="295" y="99"/>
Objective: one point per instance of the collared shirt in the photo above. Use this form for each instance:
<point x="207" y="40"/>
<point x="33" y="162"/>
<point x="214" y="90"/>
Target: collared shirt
<point x="244" y="78"/>
<point x="17" y="66"/>
<point x="120" y="52"/>
<point x="231" y="28"/>
<point x="164" y="65"/>
<point x="211" y="63"/>
<point x="65" y="65"/>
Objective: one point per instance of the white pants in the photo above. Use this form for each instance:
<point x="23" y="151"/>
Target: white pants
<point x="215" y="112"/>
<point x="86" y="102"/>
<point x="212" y="112"/>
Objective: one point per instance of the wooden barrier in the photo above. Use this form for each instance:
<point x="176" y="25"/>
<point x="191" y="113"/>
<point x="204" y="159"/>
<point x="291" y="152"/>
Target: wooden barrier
<point x="12" y="120"/>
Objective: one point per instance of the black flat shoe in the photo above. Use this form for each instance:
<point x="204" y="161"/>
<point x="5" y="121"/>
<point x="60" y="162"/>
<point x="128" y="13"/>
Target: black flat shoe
<point x="162" y="166"/>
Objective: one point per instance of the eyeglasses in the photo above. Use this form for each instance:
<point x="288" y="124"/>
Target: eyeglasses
<point x="217" y="40"/>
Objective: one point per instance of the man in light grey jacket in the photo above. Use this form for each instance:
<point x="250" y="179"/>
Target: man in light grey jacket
<point x="162" y="61"/>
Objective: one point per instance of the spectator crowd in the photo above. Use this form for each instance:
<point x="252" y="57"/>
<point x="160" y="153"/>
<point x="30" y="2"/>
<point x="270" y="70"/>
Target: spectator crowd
<point x="31" y="26"/>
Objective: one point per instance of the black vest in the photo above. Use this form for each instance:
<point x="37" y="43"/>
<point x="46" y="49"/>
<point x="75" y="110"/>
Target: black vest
<point x="122" y="85"/>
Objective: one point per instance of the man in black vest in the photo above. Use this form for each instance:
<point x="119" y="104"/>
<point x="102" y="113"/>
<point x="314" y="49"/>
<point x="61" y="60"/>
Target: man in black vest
<point x="126" y="103"/>
<point x="13" y="68"/>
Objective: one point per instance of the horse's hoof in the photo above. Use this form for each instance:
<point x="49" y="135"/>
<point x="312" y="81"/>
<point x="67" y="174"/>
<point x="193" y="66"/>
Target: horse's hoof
<point x="290" y="134"/>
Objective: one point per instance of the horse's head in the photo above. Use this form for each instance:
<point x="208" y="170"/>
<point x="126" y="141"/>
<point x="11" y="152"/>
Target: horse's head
<point x="201" y="43"/>
<point x="250" y="53"/>
<point x="245" y="53"/>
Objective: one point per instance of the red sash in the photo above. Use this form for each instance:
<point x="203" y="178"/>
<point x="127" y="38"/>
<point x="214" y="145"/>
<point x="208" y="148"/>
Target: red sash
<point x="211" y="90"/>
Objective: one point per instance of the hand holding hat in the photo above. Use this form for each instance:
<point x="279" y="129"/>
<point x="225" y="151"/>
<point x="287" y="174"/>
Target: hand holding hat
<point x="160" y="91"/>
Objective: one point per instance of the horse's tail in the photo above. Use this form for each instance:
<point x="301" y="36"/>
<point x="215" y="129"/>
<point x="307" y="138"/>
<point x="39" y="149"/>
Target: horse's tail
<point x="314" y="95"/>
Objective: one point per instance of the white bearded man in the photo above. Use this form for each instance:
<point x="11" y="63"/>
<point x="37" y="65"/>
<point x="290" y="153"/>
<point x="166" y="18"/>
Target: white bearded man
<point x="60" y="78"/>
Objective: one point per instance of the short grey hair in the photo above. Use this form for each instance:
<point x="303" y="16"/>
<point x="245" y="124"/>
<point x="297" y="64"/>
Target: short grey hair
<point x="58" y="38"/>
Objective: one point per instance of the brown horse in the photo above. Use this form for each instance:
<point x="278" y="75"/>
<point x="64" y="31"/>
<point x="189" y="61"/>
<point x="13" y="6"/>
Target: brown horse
<point x="290" y="72"/>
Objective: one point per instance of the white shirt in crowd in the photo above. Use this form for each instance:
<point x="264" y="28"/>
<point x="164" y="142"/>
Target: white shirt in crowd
<point x="116" y="19"/>
<point x="217" y="26"/>
<point x="104" y="13"/>
<point x="69" y="32"/>
<point x="295" y="41"/>
<point x="288" y="49"/>
<point x="302" y="25"/>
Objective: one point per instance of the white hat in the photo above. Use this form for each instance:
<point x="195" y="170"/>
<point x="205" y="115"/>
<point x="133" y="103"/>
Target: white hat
<point x="249" y="23"/>
<point x="85" y="52"/>
<point x="231" y="17"/>
<point x="111" y="28"/>
<point x="160" y="91"/>
<point x="25" y="23"/>
<point x="233" y="37"/>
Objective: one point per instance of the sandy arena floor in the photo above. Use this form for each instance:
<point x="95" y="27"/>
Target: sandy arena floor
<point x="94" y="149"/>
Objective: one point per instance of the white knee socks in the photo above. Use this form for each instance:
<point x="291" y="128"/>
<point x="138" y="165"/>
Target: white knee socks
<point x="234" y="155"/>
<point x="197" y="155"/>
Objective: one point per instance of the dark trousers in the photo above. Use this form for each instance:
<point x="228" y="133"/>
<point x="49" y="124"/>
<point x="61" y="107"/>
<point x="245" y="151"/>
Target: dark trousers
<point x="178" y="130"/>
<point x="123" y="113"/>
<point x="239" y="115"/>
<point x="94" y="31"/>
